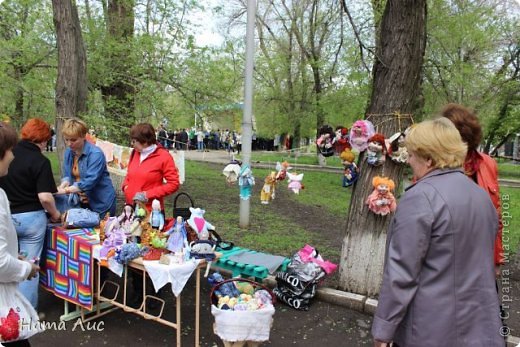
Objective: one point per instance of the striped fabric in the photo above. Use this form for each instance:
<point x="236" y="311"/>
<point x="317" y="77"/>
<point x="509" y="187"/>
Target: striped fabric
<point x="67" y="264"/>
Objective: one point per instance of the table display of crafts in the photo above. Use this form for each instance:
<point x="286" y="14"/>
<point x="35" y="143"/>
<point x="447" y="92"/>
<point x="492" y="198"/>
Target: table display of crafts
<point x="139" y="233"/>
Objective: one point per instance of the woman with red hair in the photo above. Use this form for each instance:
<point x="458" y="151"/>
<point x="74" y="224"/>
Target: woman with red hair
<point x="29" y="186"/>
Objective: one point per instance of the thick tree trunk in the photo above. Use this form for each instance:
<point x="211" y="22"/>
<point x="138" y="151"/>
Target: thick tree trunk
<point x="119" y="94"/>
<point x="395" y="90"/>
<point x="71" y="83"/>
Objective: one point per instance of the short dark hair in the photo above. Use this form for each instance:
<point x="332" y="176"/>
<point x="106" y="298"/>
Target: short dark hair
<point x="144" y="133"/>
<point x="8" y="138"/>
<point x="466" y="122"/>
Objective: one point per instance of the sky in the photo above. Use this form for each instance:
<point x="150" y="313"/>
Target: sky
<point x="207" y="33"/>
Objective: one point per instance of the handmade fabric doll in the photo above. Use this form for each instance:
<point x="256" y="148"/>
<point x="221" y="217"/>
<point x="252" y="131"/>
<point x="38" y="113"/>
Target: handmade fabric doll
<point x="156" y="217"/>
<point x="199" y="224"/>
<point x="114" y="236"/>
<point x="140" y="215"/>
<point x="381" y="201"/>
<point x="376" y="150"/>
<point x="246" y="181"/>
<point x="268" y="190"/>
<point x="231" y="171"/>
<point x="360" y="132"/>
<point x="325" y="140"/>
<point x="397" y="150"/>
<point x="351" y="171"/>
<point x="178" y="238"/>
<point x="126" y="217"/>
<point x="295" y="182"/>
<point x="342" y="141"/>
<point x="282" y="170"/>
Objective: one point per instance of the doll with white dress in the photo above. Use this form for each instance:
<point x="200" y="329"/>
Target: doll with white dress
<point x="381" y="201"/>
<point x="295" y="182"/>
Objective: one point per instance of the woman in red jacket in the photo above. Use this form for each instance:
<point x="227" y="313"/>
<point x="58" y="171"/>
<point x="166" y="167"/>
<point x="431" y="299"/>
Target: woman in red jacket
<point x="480" y="167"/>
<point x="152" y="173"/>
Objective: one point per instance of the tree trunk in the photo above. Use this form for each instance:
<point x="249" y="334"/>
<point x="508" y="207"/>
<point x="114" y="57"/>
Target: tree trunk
<point x="119" y="94"/>
<point x="397" y="72"/>
<point x="71" y="83"/>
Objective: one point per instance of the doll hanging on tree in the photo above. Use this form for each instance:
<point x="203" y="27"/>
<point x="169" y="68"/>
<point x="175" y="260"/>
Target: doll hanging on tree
<point x="268" y="190"/>
<point x="381" y="201"/>
<point x="376" y="150"/>
<point x="351" y="171"/>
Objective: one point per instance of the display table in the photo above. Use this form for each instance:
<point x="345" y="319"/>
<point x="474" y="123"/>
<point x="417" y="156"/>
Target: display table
<point x="137" y="265"/>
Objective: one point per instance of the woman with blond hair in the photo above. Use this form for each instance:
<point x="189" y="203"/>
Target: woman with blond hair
<point x="29" y="186"/>
<point x="438" y="285"/>
<point x="85" y="170"/>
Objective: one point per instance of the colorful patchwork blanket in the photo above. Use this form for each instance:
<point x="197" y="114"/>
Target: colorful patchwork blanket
<point x="67" y="264"/>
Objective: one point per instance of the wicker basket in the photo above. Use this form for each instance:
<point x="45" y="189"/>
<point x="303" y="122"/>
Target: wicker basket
<point x="245" y="326"/>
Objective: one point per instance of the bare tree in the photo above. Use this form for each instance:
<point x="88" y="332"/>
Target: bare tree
<point x="396" y="85"/>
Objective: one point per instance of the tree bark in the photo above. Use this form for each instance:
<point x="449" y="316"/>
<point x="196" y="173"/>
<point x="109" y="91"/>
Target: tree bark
<point x="396" y="83"/>
<point x="119" y="93"/>
<point x="71" y="83"/>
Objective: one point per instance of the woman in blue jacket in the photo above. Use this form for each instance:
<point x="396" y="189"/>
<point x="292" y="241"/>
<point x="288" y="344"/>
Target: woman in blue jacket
<point x="85" y="170"/>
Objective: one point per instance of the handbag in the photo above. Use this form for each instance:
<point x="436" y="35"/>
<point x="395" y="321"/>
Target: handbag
<point x="81" y="218"/>
<point x="184" y="212"/>
<point x="65" y="202"/>
<point x="15" y="309"/>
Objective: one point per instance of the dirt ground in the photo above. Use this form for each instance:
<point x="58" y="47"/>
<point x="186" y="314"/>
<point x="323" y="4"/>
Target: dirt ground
<point x="323" y="324"/>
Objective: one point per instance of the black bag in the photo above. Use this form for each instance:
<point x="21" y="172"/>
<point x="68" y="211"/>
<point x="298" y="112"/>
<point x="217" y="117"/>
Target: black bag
<point x="184" y="212"/>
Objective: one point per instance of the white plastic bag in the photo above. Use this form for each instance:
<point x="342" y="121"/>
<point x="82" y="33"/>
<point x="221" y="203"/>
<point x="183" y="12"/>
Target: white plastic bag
<point x="243" y="325"/>
<point x="28" y="321"/>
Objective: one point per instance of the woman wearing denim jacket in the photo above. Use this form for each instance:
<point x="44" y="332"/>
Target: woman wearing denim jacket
<point x="85" y="170"/>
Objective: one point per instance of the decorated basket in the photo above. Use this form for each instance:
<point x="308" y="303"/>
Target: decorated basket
<point x="233" y="326"/>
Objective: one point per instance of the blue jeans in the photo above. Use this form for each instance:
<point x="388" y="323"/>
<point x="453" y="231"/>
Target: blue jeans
<point x="200" y="145"/>
<point x="30" y="227"/>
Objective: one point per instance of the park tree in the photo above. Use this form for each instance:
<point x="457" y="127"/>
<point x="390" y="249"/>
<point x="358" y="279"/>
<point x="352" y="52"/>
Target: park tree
<point x="26" y="59"/>
<point x="71" y="83"/>
<point x="395" y="90"/>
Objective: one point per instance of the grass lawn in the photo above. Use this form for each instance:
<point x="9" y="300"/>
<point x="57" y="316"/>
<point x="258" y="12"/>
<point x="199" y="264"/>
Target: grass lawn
<point x="273" y="229"/>
<point x="509" y="170"/>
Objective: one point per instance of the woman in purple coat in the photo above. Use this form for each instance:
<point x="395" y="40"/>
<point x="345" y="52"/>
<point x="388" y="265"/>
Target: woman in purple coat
<point x="439" y="284"/>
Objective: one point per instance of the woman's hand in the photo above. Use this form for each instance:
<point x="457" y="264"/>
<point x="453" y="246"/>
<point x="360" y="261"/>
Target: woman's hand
<point x="34" y="271"/>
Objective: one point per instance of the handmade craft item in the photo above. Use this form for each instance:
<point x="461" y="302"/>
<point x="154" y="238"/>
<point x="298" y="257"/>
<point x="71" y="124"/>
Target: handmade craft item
<point x="325" y="140"/>
<point x="342" y="140"/>
<point x="381" y="201"/>
<point x="177" y="236"/>
<point x="295" y="182"/>
<point x="232" y="171"/>
<point x="376" y="150"/>
<point x="268" y="190"/>
<point x="397" y="149"/>
<point x="199" y="224"/>
<point x="282" y="169"/>
<point x="360" y="132"/>
<point x="246" y="181"/>
<point x="156" y="217"/>
<point x="351" y="171"/>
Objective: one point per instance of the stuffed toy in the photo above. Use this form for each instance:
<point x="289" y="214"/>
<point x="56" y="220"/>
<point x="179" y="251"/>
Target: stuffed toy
<point x="397" y="149"/>
<point x="114" y="236"/>
<point x="199" y="224"/>
<point x="126" y="217"/>
<point x="157" y="241"/>
<point x="231" y="171"/>
<point x="342" y="142"/>
<point x="282" y="170"/>
<point x="381" y="201"/>
<point x="128" y="252"/>
<point x="140" y="216"/>
<point x="227" y="289"/>
<point x="325" y="141"/>
<point x="177" y="236"/>
<point x="295" y="182"/>
<point x="360" y="132"/>
<point x="245" y="287"/>
<point x="351" y="171"/>
<point x="156" y="216"/>
<point x="246" y="181"/>
<point x="376" y="150"/>
<point x="268" y="190"/>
